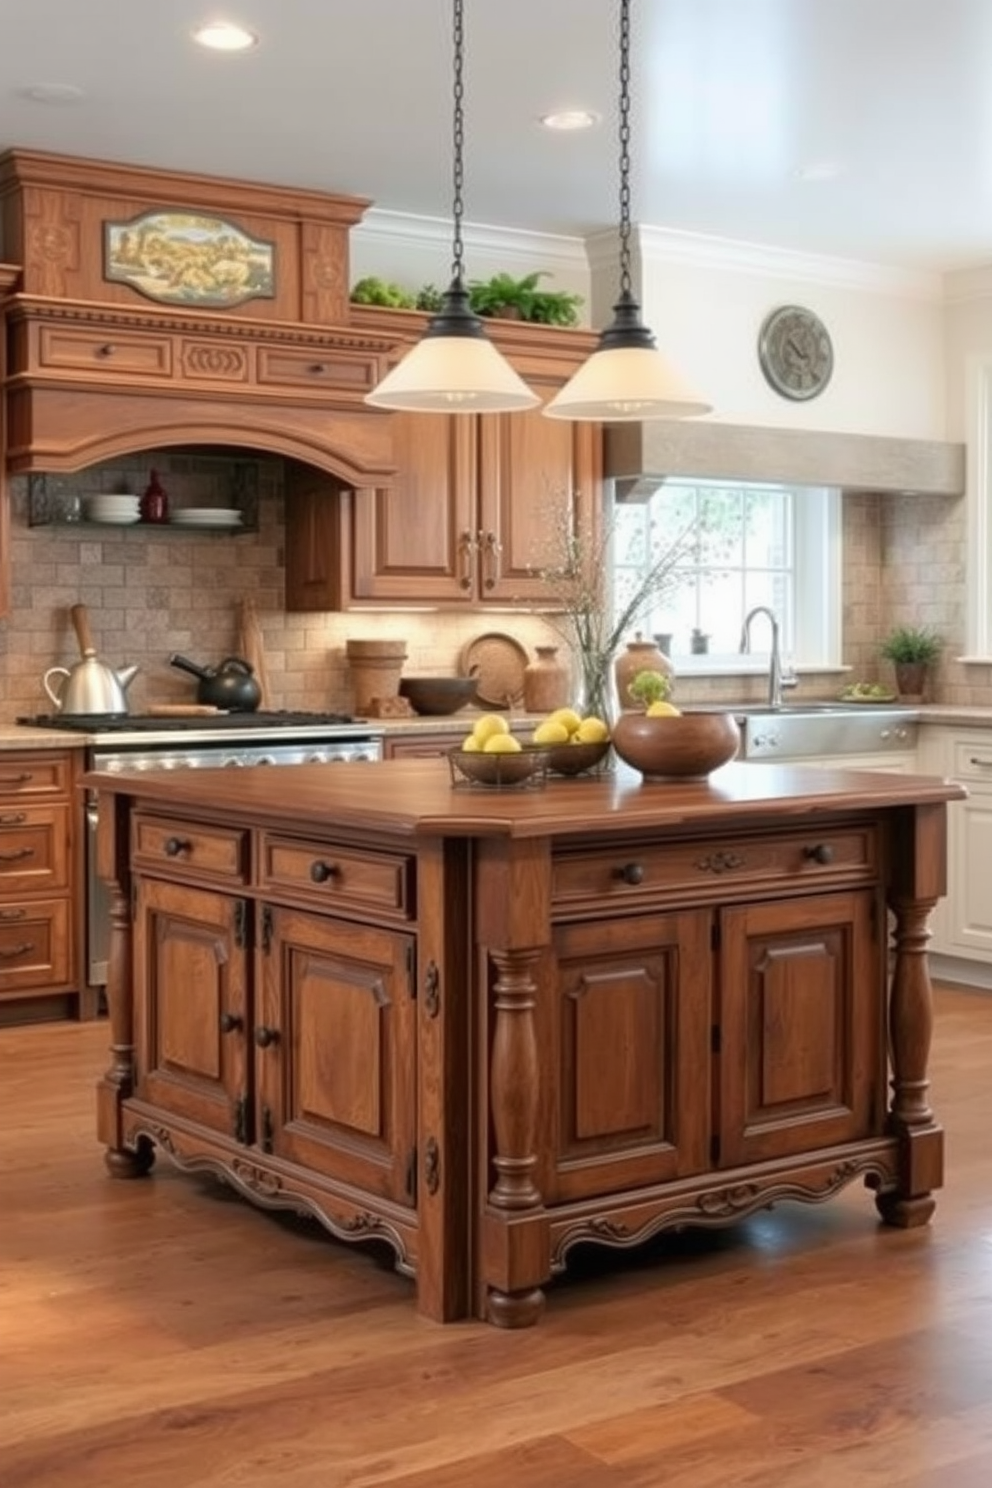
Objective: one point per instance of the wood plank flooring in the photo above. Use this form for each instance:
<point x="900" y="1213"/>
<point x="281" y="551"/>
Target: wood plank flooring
<point x="164" y="1334"/>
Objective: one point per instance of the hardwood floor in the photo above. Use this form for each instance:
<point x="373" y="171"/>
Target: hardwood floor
<point x="163" y="1334"/>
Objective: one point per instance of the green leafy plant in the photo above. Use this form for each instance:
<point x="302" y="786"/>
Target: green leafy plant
<point x="502" y="295"/>
<point x="650" y="687"/>
<point x="374" y="291"/>
<point x="912" y="643"/>
<point x="429" y="298"/>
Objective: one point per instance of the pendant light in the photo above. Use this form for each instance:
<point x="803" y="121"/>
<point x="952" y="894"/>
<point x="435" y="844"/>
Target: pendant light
<point x="627" y="378"/>
<point x="454" y="368"/>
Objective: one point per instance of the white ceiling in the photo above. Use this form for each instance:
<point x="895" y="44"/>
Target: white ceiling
<point x="732" y="98"/>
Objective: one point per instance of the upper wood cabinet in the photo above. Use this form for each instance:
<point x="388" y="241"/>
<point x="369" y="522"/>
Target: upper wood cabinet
<point x="470" y="520"/>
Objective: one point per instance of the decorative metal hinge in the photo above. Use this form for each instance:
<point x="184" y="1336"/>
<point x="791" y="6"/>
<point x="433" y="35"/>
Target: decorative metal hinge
<point x="432" y="990"/>
<point x="411" y="1176"/>
<point x="266" y="928"/>
<point x="241" y="1120"/>
<point x="268" y="1129"/>
<point x="240" y="923"/>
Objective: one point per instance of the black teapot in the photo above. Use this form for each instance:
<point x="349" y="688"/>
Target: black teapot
<point x="231" y="685"/>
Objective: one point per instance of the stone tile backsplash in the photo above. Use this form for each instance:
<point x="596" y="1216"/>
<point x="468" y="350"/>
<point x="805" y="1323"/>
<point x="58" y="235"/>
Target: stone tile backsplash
<point x="151" y="592"/>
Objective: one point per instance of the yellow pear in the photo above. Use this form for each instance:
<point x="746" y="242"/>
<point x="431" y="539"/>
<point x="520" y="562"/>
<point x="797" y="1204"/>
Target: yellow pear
<point x="489" y="725"/>
<point x="591" y="731"/>
<point x="663" y="710"/>
<point x="551" y="731"/>
<point x="501" y="744"/>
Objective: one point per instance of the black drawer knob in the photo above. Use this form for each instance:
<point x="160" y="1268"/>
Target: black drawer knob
<point x="320" y="871"/>
<point x="820" y="852"/>
<point x="230" y="1022"/>
<point x="266" y="1037"/>
<point x="173" y="846"/>
<point x="631" y="873"/>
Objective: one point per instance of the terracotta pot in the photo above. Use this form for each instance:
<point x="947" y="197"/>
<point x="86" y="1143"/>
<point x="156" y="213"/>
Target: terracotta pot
<point x="911" y="680"/>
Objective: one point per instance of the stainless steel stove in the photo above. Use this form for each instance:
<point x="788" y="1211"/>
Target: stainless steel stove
<point x="129" y="743"/>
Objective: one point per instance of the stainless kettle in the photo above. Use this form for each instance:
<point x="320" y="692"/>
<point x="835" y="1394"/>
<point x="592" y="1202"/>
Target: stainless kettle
<point x="89" y="687"/>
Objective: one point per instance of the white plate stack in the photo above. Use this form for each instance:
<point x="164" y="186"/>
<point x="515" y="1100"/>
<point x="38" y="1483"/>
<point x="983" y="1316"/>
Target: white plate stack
<point x="119" y="511"/>
<point x="207" y="516"/>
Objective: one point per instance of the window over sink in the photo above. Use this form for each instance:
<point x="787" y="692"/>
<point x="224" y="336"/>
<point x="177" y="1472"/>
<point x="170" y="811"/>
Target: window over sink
<point x="756" y="544"/>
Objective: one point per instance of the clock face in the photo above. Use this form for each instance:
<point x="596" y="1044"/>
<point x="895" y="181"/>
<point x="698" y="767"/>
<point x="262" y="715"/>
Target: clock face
<point x="795" y="352"/>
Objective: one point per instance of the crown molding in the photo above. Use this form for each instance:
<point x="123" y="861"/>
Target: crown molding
<point x="512" y="244"/>
<point x="664" y="245"/>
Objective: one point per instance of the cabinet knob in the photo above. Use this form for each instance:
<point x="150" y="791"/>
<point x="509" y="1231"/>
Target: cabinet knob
<point x="318" y="368"/>
<point x="631" y="873"/>
<point x="820" y="852"/>
<point x="106" y="350"/>
<point x="230" y="1022"/>
<point x="320" y="871"/>
<point x="173" y="846"/>
<point x="266" y="1037"/>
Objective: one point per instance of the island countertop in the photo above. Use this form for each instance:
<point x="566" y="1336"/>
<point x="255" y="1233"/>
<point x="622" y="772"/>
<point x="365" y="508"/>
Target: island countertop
<point x="416" y="797"/>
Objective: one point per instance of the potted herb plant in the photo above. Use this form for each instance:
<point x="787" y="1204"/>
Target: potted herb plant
<point x="913" y="650"/>
<point x="522" y="299"/>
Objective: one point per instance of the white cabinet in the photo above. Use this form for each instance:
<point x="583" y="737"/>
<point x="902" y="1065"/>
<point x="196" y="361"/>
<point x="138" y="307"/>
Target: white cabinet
<point x="962" y="924"/>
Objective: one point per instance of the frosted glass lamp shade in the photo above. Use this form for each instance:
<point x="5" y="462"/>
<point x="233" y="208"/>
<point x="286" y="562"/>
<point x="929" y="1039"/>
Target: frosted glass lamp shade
<point x="626" y="384"/>
<point x="453" y="374"/>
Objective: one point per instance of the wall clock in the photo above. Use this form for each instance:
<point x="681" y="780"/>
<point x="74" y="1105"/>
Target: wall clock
<point x="795" y="352"/>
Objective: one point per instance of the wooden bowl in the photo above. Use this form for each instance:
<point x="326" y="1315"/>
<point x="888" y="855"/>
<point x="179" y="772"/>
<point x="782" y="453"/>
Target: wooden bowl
<point x="685" y="746"/>
<point x="574" y="759"/>
<point x="436" y="696"/>
<point x="525" y="766"/>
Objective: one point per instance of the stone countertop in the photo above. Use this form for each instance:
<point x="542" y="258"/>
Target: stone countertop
<point x="26" y="736"/>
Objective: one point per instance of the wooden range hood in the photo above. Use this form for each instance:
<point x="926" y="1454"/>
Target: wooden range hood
<point x="97" y="368"/>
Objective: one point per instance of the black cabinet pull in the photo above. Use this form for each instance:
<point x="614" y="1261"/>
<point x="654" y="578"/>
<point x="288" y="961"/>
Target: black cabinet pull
<point x="173" y="846"/>
<point x="320" y="871"/>
<point x="631" y="873"/>
<point x="230" y="1022"/>
<point x="266" y="1037"/>
<point x="820" y="852"/>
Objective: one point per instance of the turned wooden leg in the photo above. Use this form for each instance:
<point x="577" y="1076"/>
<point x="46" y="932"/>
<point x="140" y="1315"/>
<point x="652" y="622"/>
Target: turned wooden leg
<point x="127" y="1162"/>
<point x="513" y="1092"/>
<point x="910" y="1032"/>
<point x="118" y="1082"/>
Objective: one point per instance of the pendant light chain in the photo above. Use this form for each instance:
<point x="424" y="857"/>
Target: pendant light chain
<point x="458" y="139"/>
<point x="625" y="146"/>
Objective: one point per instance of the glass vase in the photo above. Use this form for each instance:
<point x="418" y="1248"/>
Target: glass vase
<point x="596" y="695"/>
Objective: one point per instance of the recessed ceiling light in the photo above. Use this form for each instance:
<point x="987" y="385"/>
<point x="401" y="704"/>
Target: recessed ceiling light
<point x="53" y="93"/>
<point x="570" y="119"/>
<point x="225" y="36"/>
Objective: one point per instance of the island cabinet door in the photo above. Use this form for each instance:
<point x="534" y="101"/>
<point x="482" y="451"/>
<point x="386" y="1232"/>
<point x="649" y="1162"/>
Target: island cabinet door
<point x="191" y="1004"/>
<point x="336" y="1050"/>
<point x="624" y="1012"/>
<point x="801" y="1010"/>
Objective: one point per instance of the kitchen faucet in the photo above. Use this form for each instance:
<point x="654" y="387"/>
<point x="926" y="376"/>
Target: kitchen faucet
<point x="776" y="678"/>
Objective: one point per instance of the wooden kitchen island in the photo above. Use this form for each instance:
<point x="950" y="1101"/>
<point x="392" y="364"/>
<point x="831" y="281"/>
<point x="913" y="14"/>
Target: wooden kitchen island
<point x="485" y="1026"/>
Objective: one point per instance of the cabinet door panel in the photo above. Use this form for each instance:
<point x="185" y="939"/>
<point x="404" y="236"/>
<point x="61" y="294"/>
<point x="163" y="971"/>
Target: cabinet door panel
<point x="801" y="996"/>
<point x="969" y="913"/>
<point x="536" y="475"/>
<point x="337" y="1083"/>
<point x="626" y="1015"/>
<point x="417" y="540"/>
<point x="191" y="1005"/>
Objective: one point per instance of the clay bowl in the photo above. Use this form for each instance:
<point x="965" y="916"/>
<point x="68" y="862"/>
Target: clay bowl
<point x="681" y="747"/>
<point x="575" y="759"/>
<point x="436" y="696"/>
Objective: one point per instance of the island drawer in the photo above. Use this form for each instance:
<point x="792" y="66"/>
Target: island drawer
<point x="848" y="855"/>
<point x="331" y="876"/>
<point x="32" y="774"/>
<point x="219" y="854"/>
